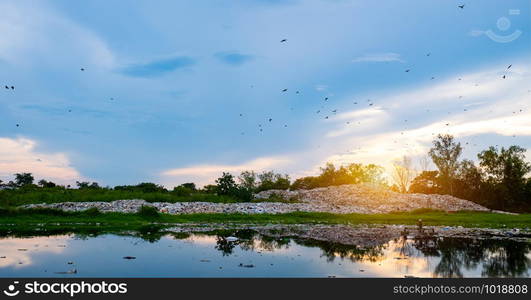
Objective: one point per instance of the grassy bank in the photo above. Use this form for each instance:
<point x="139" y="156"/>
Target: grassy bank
<point x="12" y="198"/>
<point x="49" y="218"/>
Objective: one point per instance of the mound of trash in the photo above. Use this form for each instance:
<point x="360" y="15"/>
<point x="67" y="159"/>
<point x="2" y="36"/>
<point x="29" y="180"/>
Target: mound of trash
<point x="344" y="199"/>
<point x="372" y="198"/>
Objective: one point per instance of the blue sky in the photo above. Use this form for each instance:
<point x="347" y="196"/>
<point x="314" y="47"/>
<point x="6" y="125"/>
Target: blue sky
<point x="164" y="85"/>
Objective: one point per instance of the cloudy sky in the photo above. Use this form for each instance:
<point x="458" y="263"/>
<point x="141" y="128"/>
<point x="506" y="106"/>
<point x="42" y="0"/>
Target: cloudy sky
<point x="183" y="90"/>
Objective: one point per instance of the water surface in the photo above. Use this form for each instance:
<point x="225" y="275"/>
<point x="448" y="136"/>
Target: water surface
<point x="253" y="255"/>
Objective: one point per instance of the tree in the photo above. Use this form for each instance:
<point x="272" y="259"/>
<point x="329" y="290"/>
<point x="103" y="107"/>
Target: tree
<point x="248" y="180"/>
<point x="506" y="169"/>
<point x="445" y="155"/>
<point x="87" y="185"/>
<point x="46" y="184"/>
<point x="273" y="181"/>
<point x="403" y="173"/>
<point x="225" y="185"/>
<point x="469" y="182"/>
<point x="23" y="179"/>
<point x="425" y="183"/>
<point x="189" y="185"/>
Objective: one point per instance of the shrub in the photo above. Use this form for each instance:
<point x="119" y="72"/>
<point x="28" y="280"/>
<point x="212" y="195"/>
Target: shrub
<point x="148" y="212"/>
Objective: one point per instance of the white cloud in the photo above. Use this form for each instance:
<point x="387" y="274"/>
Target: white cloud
<point x="480" y="103"/>
<point x="378" y="57"/>
<point x="488" y="104"/>
<point x="33" y="33"/>
<point x="19" y="155"/>
<point x="207" y="173"/>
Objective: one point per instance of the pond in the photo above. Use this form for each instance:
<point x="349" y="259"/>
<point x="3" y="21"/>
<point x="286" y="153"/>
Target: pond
<point x="249" y="254"/>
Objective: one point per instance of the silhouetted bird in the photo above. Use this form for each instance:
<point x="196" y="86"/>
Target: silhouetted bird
<point x="296" y="92"/>
<point x="407" y="71"/>
<point x="509" y="67"/>
<point x="285" y="90"/>
<point x="283" y="40"/>
<point x="18" y="125"/>
<point x="12" y="87"/>
<point x="270" y="119"/>
<point x="82" y="69"/>
<point x="7" y="88"/>
<point x="504" y="77"/>
<point x="461" y="6"/>
<point x="326" y="98"/>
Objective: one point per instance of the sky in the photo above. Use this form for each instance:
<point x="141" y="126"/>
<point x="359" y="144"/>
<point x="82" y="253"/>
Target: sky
<point x="181" y="91"/>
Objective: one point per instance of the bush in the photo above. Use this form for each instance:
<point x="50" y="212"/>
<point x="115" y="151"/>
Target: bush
<point x="93" y="211"/>
<point x="181" y="191"/>
<point x="148" y="212"/>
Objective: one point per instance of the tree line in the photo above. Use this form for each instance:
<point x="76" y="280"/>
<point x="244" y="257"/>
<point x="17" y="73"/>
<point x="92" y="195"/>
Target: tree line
<point x="498" y="181"/>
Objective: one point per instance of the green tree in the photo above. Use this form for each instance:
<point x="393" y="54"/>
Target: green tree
<point x="273" y="181"/>
<point x="23" y="179"/>
<point x="189" y="185"/>
<point x="87" y="185"/>
<point x="225" y="185"/>
<point x="506" y="169"/>
<point x="469" y="183"/>
<point x="445" y="155"/>
<point x="425" y="183"/>
<point x="248" y="180"/>
<point x="46" y="184"/>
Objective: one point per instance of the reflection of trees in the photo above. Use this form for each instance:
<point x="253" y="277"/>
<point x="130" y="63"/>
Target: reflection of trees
<point x="508" y="261"/>
<point x="499" y="258"/>
<point x="351" y="252"/>
<point x="245" y="241"/>
<point x="271" y="244"/>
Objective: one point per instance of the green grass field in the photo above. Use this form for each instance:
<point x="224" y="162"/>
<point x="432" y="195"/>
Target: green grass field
<point x="18" y="219"/>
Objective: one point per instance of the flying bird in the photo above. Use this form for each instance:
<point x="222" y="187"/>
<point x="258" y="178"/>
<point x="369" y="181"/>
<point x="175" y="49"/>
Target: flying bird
<point x="82" y="69"/>
<point x="283" y="40"/>
<point x="461" y="6"/>
<point x="509" y="67"/>
<point x="12" y="87"/>
<point x="285" y="90"/>
<point x="407" y="71"/>
<point x="270" y="119"/>
<point x="504" y="76"/>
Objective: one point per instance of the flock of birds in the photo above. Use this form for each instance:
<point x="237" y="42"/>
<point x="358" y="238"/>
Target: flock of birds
<point x="321" y="110"/>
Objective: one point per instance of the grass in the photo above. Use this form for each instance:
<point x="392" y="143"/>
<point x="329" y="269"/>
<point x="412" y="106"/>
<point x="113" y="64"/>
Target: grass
<point x="12" y="198"/>
<point x="49" y="219"/>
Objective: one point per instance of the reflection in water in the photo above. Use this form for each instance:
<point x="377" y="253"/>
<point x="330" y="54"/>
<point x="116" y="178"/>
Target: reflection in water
<point x="168" y="254"/>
